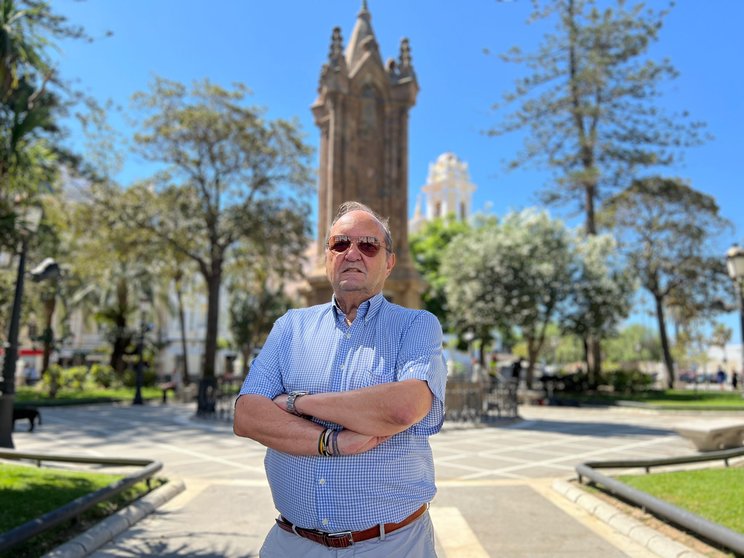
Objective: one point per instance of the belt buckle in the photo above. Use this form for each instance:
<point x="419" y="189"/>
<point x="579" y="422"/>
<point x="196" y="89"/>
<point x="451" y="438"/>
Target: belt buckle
<point x="343" y="537"/>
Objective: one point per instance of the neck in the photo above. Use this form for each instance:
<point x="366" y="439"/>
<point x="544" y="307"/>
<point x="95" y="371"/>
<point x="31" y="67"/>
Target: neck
<point x="349" y="304"/>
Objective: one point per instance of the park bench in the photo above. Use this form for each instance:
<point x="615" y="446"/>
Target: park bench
<point x="166" y="387"/>
<point x="713" y="434"/>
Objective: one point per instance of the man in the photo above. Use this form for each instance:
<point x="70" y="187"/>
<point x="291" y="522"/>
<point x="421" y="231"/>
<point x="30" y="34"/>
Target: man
<point x="345" y="395"/>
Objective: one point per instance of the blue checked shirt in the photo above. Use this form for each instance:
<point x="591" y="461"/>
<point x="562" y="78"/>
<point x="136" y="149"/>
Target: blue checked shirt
<point x="313" y="350"/>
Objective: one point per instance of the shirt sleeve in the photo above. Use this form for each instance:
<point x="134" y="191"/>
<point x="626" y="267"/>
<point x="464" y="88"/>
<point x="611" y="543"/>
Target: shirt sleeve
<point x="420" y="358"/>
<point x="265" y="377"/>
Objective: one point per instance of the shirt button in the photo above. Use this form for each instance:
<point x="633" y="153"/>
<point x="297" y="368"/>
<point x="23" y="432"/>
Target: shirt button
<point x="325" y="521"/>
<point x="321" y="482"/>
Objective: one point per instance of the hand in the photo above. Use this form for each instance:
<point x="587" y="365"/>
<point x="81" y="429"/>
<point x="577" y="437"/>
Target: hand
<point x="281" y="401"/>
<point x="350" y="442"/>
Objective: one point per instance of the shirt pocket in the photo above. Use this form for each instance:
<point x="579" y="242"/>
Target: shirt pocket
<point x="371" y="366"/>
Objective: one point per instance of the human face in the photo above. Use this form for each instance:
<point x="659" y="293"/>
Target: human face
<point x="352" y="273"/>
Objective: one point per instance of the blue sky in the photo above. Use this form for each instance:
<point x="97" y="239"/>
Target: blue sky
<point x="277" y="48"/>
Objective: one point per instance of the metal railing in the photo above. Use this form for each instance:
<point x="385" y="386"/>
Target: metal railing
<point x="713" y="532"/>
<point x="73" y="509"/>
<point x="469" y="401"/>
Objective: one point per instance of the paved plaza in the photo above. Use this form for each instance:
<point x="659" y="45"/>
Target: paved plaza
<point x="495" y="482"/>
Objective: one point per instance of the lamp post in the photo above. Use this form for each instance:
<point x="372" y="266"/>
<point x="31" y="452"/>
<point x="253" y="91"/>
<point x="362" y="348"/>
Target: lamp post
<point x="735" y="263"/>
<point x="139" y="369"/>
<point x="29" y="222"/>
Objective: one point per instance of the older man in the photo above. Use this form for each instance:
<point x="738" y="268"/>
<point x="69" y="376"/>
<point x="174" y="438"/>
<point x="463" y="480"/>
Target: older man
<point x="345" y="396"/>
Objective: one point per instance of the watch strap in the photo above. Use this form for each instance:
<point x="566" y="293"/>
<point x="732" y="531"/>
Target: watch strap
<point x="291" y="400"/>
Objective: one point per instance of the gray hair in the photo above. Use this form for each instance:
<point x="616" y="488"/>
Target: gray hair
<point x="348" y="207"/>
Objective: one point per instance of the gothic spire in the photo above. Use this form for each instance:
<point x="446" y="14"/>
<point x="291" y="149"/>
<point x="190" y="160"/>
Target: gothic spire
<point x="362" y="37"/>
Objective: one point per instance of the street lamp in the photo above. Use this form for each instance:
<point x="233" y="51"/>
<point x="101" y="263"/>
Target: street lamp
<point x="28" y="222"/>
<point x="139" y="369"/>
<point x="735" y="263"/>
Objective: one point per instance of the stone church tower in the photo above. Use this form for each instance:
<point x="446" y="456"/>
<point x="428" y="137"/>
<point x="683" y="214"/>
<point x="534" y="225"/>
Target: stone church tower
<point x="362" y="112"/>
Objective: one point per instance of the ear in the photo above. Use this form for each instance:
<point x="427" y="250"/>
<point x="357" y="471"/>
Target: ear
<point x="389" y="264"/>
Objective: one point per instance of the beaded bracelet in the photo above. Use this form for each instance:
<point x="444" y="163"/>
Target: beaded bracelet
<point x="324" y="443"/>
<point x="334" y="443"/>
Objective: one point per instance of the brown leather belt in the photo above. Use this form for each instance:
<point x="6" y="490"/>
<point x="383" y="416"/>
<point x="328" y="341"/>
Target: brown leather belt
<point x="345" y="539"/>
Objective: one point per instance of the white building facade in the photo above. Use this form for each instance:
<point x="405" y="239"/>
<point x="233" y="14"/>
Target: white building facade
<point x="448" y="190"/>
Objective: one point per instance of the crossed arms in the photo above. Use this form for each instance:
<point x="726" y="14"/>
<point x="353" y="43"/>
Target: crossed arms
<point x="368" y="415"/>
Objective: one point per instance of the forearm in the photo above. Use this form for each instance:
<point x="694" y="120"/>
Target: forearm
<point x="259" y="419"/>
<point x="380" y="410"/>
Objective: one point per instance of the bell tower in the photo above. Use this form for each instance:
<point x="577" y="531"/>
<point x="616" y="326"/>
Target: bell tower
<point x="362" y="112"/>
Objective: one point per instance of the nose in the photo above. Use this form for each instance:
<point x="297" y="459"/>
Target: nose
<point x="353" y="253"/>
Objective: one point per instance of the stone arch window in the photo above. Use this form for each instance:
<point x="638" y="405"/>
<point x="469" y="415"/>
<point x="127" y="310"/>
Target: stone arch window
<point x="370" y="110"/>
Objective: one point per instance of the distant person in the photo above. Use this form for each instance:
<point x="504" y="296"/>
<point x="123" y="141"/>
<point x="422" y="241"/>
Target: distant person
<point x="734" y="380"/>
<point x="721" y="378"/>
<point x="516" y="369"/>
<point x="32" y="375"/>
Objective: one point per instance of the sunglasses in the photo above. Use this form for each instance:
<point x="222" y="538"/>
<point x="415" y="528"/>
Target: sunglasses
<point x="368" y="245"/>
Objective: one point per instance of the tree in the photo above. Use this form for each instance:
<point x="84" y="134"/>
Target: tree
<point x="427" y="247"/>
<point x="664" y="228"/>
<point x="32" y="97"/>
<point x="721" y="337"/>
<point x="112" y="269"/>
<point x="635" y="343"/>
<point x="229" y="174"/>
<point x="600" y="296"/>
<point x="589" y="104"/>
<point x="516" y="273"/>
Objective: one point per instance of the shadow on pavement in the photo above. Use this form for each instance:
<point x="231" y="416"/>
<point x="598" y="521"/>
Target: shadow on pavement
<point x="165" y="549"/>
<point x="591" y="428"/>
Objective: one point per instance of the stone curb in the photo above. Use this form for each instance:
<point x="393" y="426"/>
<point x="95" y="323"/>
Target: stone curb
<point x="659" y="544"/>
<point x="105" y="531"/>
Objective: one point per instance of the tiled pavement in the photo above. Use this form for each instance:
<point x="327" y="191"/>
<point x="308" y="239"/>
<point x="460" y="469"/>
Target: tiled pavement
<point x="494" y="481"/>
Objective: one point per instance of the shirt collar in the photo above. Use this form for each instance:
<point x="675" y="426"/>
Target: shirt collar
<point x="366" y="311"/>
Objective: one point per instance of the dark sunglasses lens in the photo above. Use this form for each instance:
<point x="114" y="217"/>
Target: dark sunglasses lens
<point x="368" y="249"/>
<point x="340" y="246"/>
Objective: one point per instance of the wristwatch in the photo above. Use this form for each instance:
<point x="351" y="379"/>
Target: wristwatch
<point x="291" y="398"/>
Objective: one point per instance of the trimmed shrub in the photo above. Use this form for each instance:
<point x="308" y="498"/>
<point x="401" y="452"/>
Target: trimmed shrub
<point x="103" y="375"/>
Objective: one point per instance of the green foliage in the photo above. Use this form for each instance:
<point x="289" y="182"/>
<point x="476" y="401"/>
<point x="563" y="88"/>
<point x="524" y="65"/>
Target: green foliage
<point x="635" y="343"/>
<point x="51" y="379"/>
<point x="29" y="492"/>
<point x="21" y="482"/>
<point x="707" y="493"/>
<point x="588" y="103"/>
<point x="32" y="103"/>
<point x="516" y="273"/>
<point x="601" y="290"/>
<point x="627" y="381"/>
<point x="74" y="378"/>
<point x="103" y="375"/>
<point x="427" y="247"/>
<point x="252" y="315"/>
<point x="665" y="229"/>
<point x="229" y="179"/>
<point x="35" y="396"/>
<point x="149" y="378"/>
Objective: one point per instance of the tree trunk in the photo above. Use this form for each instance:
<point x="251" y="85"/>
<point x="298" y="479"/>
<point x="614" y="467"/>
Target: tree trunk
<point x="119" y="350"/>
<point x="206" y="400"/>
<point x="533" y="350"/>
<point x="594" y="361"/>
<point x="49" y="307"/>
<point x="186" y="378"/>
<point x="668" y="361"/>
